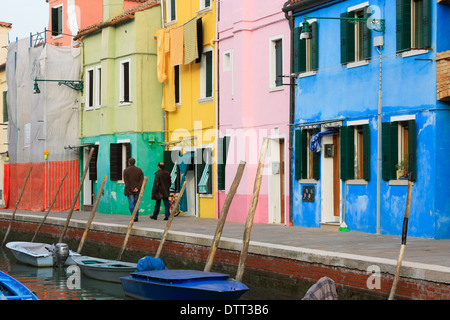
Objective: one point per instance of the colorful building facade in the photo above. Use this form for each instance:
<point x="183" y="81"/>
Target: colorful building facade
<point x="253" y="104"/>
<point x="369" y="102"/>
<point x="121" y="115"/>
<point x="187" y="71"/>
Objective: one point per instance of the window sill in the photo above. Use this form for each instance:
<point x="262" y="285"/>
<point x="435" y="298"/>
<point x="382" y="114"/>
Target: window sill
<point x="359" y="182"/>
<point x="275" y="89"/>
<point x="204" y="10"/>
<point x="202" y="195"/>
<point x="309" y="181"/>
<point x="398" y="182"/>
<point x="123" y="104"/>
<point x="170" y="23"/>
<point x="413" y="52"/>
<point x="205" y="100"/>
<point x="307" y="74"/>
<point x="88" y="108"/>
<point x="357" y="64"/>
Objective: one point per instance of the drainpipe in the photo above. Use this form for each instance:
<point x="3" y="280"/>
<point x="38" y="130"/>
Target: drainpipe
<point x="290" y="18"/>
<point x="380" y="101"/>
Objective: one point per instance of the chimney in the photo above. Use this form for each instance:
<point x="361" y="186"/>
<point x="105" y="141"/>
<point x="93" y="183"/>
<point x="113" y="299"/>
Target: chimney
<point x="112" y="8"/>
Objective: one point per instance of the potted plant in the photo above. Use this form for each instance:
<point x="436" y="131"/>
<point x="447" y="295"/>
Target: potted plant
<point x="402" y="169"/>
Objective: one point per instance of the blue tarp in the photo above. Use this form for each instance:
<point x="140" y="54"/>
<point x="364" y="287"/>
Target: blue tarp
<point x="150" y="263"/>
<point x="314" y="144"/>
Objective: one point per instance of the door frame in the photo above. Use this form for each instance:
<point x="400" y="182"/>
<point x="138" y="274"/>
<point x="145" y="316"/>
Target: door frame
<point x="276" y="179"/>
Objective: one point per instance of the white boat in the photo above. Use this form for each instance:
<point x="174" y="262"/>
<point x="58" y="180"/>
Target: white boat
<point x="42" y="254"/>
<point x="104" y="269"/>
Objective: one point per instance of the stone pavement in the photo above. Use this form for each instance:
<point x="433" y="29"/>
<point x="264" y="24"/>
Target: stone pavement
<point x="424" y="259"/>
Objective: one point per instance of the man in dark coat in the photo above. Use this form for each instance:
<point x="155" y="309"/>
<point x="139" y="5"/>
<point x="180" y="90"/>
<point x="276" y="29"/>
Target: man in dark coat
<point x="133" y="177"/>
<point x="160" y="190"/>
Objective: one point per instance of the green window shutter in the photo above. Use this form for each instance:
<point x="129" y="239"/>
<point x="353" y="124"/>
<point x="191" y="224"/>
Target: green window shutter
<point x="209" y="74"/>
<point x="5" y="106"/>
<point x="222" y="146"/>
<point x="366" y="152"/>
<point x="314" y="46"/>
<point x="278" y="63"/>
<point x="115" y="161"/>
<point x="299" y="52"/>
<point x="316" y="160"/>
<point x="300" y="154"/>
<point x="403" y="25"/>
<point x="177" y="83"/>
<point x="204" y="170"/>
<point x="389" y="150"/>
<point x="60" y="20"/>
<point x="423" y="24"/>
<point x="170" y="158"/>
<point x="93" y="164"/>
<point x="366" y="43"/>
<point x="347" y="151"/>
<point x="412" y="161"/>
<point x="347" y="39"/>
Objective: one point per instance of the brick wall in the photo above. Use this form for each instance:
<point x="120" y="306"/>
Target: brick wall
<point x="409" y="289"/>
<point x="443" y="76"/>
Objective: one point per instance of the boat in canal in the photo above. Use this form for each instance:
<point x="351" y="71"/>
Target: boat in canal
<point x="181" y="285"/>
<point x="12" y="289"/>
<point x="42" y="254"/>
<point x="104" y="269"/>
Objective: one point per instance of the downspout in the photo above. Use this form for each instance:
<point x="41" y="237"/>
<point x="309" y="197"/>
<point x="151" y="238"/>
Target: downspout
<point x="290" y="18"/>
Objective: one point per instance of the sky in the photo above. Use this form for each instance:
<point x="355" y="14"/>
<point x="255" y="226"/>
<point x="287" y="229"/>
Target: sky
<point x="25" y="15"/>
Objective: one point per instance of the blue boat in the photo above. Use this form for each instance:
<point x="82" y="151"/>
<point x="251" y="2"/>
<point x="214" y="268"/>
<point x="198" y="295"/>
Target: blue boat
<point x="11" y="289"/>
<point x="182" y="285"/>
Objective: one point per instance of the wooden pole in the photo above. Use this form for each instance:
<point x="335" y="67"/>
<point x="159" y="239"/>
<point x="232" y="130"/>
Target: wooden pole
<point x="130" y="225"/>
<point x="169" y="222"/>
<point x="403" y="246"/>
<point x="86" y="167"/>
<point x="50" y="208"/>
<point x="251" y="214"/>
<point x="15" y="208"/>
<point x="94" y="210"/>
<point x="223" y="215"/>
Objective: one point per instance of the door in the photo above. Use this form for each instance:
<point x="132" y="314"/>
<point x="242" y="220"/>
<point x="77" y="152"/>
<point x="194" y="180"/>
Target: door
<point x="276" y="178"/>
<point x="88" y="183"/>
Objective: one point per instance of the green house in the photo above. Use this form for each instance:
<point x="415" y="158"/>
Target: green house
<point x="121" y="115"/>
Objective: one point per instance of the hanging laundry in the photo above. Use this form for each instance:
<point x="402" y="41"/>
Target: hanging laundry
<point x="168" y="100"/>
<point x="176" y="46"/>
<point x="190" y="41"/>
<point x="199" y="40"/>
<point x="161" y="67"/>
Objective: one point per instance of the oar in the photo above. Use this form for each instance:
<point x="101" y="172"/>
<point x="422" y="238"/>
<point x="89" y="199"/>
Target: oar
<point x="169" y="222"/>
<point x="94" y="210"/>
<point x="86" y="167"/>
<point x="15" y="208"/>
<point x="251" y="214"/>
<point x="404" y="235"/>
<point x="49" y="208"/>
<point x="223" y="215"/>
<point x="130" y="225"/>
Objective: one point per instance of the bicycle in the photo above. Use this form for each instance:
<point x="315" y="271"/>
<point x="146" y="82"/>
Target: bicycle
<point x="173" y="200"/>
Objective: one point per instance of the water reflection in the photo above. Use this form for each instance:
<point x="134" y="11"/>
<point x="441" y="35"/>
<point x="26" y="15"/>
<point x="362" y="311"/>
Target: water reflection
<point x="59" y="283"/>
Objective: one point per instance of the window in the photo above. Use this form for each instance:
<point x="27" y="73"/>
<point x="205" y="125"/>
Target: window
<point x="355" y="152"/>
<point x="177" y="84"/>
<point x="222" y="148"/>
<point x="93" y="164"/>
<point x="228" y="67"/>
<point x="413" y="24"/>
<point x="98" y="87"/>
<point x="276" y="62"/>
<point x="5" y="106"/>
<point x="355" y="38"/>
<point x="171" y="6"/>
<point x="306" y="51"/>
<point x="307" y="163"/>
<point x="119" y="154"/>
<point x="124" y="89"/>
<point x="204" y="4"/>
<point x="207" y="74"/>
<point x="399" y="149"/>
<point x="204" y="170"/>
<point x="57" y="21"/>
<point x="89" y="88"/>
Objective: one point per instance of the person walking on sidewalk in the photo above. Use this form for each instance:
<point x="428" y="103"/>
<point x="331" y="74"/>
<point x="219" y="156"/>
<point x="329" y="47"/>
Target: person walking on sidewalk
<point x="133" y="177"/>
<point x="161" y="187"/>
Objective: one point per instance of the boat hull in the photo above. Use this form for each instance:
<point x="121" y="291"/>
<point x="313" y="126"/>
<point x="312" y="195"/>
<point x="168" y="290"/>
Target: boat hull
<point x="103" y="269"/>
<point x="182" y="285"/>
<point x="36" y="254"/>
<point x="12" y="289"/>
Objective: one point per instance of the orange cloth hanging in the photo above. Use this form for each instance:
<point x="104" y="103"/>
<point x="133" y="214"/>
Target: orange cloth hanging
<point x="177" y="46"/>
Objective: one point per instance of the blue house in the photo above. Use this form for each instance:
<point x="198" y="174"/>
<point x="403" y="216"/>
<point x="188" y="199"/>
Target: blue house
<point x="370" y="107"/>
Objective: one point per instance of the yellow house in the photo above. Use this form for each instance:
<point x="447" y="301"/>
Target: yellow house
<point x="4" y="30"/>
<point x="186" y="59"/>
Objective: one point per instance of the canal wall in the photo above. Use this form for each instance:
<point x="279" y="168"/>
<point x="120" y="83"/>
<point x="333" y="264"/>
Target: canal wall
<point x="418" y="281"/>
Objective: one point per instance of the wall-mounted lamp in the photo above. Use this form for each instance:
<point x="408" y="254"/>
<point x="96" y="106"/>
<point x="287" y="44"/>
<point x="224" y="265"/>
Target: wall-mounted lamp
<point x="73" y="84"/>
<point x="376" y="24"/>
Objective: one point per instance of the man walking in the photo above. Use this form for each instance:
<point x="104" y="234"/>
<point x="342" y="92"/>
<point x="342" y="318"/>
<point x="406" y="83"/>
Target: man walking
<point x="160" y="190"/>
<point x="133" y="177"/>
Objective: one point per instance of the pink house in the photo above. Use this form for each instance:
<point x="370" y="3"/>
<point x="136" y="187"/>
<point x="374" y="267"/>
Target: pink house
<point x="253" y="65"/>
